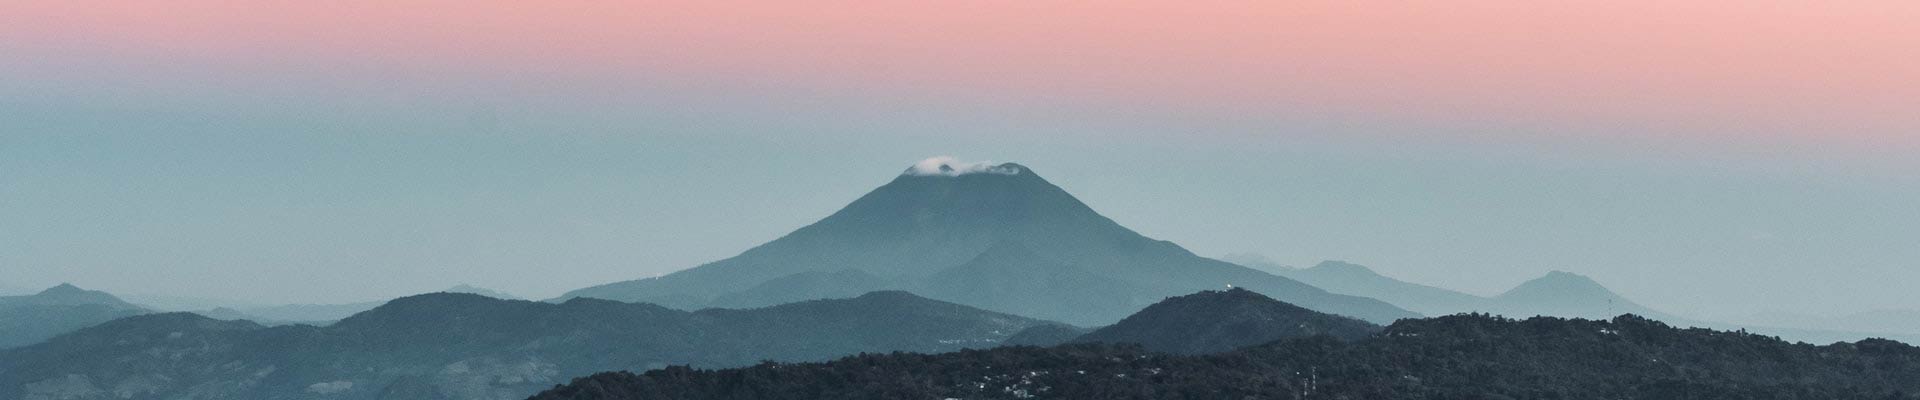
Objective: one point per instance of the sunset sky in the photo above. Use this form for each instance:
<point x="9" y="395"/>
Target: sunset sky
<point x="1708" y="157"/>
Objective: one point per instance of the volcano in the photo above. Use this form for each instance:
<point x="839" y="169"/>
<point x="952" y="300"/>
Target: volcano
<point x="994" y="236"/>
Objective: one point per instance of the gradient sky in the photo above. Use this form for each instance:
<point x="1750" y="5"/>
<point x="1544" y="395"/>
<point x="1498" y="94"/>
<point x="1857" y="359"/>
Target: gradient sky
<point x="1706" y="157"/>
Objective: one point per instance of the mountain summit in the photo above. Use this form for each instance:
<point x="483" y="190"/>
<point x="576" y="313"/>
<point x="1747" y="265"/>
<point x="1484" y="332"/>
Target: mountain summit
<point x="942" y="214"/>
<point x="67" y="294"/>
<point x="949" y="166"/>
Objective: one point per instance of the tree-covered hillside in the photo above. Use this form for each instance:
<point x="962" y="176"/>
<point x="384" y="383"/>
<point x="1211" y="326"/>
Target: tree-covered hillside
<point x="1454" y="357"/>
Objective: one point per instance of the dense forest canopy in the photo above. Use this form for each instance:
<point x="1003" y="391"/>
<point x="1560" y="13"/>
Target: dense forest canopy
<point x="1462" y="356"/>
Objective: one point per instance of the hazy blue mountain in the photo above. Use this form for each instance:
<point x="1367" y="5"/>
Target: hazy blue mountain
<point x="1569" y="295"/>
<point x="1557" y="294"/>
<point x="320" y="314"/>
<point x="470" y="289"/>
<point x="1259" y="262"/>
<point x="315" y="314"/>
<point x="230" y="314"/>
<point x="916" y="227"/>
<point x="1347" y="278"/>
<point x="1451" y="357"/>
<point x="811" y="285"/>
<point x="34" y="318"/>
<point x="1046" y="335"/>
<point x="289" y="314"/>
<point x="465" y="346"/>
<point x="169" y="303"/>
<point x="1564" y="294"/>
<point x="1009" y="277"/>
<point x="1217" y="321"/>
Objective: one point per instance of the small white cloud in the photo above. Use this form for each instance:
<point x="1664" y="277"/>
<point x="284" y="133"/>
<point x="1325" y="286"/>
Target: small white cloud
<point x="949" y="166"/>
<point x="330" y="387"/>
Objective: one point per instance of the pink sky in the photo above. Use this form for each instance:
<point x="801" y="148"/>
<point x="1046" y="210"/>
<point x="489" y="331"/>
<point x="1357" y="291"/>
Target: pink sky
<point x="1797" y="70"/>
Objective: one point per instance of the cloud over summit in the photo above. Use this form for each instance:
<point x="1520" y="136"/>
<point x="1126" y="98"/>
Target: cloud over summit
<point x="950" y="166"/>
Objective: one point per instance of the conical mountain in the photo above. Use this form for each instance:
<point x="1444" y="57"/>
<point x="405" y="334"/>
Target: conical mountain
<point x="913" y="225"/>
<point x="1566" y="294"/>
<point x="1217" y="321"/>
<point x="941" y="215"/>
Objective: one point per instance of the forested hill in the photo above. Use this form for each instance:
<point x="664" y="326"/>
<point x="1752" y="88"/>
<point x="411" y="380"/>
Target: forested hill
<point x="470" y="347"/>
<point x="1218" y="321"/>
<point x="1462" y="356"/>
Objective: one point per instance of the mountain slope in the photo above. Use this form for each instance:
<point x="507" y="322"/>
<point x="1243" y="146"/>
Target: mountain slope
<point x="1217" y="321"/>
<point x="1011" y="278"/>
<point x="34" y="318"/>
<point x="1452" y="357"/>
<point x="810" y="285"/>
<point x="912" y="228"/>
<point x="465" y="346"/>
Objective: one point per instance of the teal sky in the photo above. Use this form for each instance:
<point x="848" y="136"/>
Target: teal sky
<point x="363" y="151"/>
<point x="271" y="199"/>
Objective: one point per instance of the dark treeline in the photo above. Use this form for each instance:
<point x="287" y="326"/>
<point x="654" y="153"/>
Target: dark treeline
<point x="1454" y="357"/>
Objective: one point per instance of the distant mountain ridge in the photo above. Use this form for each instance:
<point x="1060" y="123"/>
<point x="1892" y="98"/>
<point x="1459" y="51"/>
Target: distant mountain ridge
<point x="1557" y="293"/>
<point x="470" y="289"/>
<point x="64" y="308"/>
<point x="323" y="314"/>
<point x="1358" y="280"/>
<point x="466" y="346"/>
<point x="936" y="228"/>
